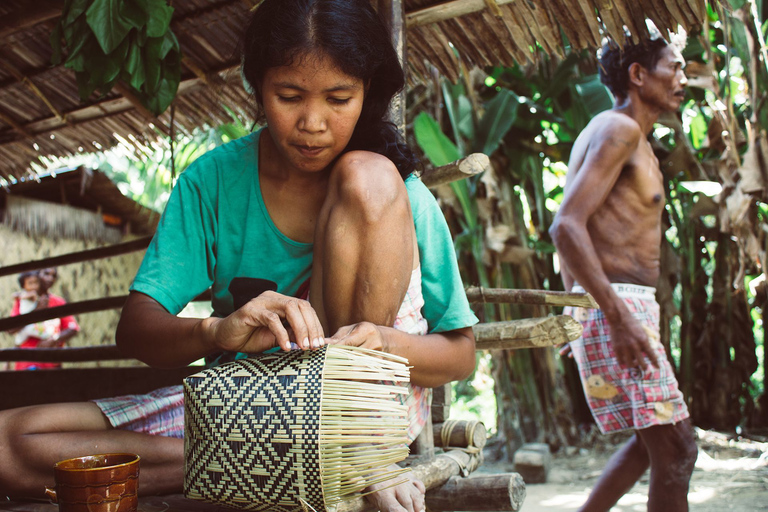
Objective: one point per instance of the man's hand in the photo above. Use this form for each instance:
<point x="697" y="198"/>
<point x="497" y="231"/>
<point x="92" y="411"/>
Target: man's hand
<point x="407" y="496"/>
<point x="631" y="343"/>
<point x="269" y="320"/>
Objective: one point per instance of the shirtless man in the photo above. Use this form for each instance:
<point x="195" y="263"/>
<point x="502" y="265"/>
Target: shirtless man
<point x="608" y="237"/>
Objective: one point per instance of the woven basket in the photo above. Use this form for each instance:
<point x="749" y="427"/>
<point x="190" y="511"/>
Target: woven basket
<point x="294" y="431"/>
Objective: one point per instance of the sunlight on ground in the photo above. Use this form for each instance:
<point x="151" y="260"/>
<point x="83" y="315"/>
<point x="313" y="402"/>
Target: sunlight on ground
<point x="564" y="501"/>
<point x="699" y="496"/>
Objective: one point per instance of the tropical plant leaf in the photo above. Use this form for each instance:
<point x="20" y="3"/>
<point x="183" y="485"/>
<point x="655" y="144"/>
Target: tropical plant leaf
<point x="500" y="115"/>
<point x="594" y="95"/>
<point x="160" y="14"/>
<point x="436" y="146"/>
<point x="107" y="24"/>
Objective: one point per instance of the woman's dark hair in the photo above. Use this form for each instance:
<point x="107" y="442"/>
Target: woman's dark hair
<point x="355" y="38"/>
<point x="615" y="62"/>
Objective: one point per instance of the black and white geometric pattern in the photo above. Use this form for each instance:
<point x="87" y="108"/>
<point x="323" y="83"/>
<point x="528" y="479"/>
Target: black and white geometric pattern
<point x="251" y="432"/>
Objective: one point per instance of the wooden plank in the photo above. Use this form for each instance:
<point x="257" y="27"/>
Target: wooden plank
<point x="64" y="354"/>
<point x="73" y="308"/>
<point x="82" y="384"/>
<point x="527" y="333"/>
<point x="482" y="295"/>
<point x="78" y="257"/>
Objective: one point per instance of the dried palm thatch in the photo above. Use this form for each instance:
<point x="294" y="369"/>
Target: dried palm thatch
<point x="57" y="221"/>
<point x="41" y="113"/>
<point x="76" y="203"/>
<point x="295" y="431"/>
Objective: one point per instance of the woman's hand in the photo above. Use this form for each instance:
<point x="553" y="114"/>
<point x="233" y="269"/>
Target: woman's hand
<point x="363" y="334"/>
<point x="269" y="320"/>
<point x="405" y="497"/>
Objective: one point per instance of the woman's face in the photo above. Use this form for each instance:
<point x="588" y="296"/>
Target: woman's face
<point x="311" y="109"/>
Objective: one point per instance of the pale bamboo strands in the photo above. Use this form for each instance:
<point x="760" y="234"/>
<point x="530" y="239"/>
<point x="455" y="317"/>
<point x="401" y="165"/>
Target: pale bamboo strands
<point x="363" y="425"/>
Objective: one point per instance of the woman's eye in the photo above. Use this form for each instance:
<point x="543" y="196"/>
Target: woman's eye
<point x="288" y="99"/>
<point x="339" y="101"/>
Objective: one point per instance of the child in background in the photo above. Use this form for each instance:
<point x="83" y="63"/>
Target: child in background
<point x="25" y="301"/>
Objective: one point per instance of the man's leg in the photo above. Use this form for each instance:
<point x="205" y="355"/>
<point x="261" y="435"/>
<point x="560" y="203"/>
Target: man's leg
<point x="363" y="254"/>
<point x="33" y="439"/>
<point x="624" y="468"/>
<point x="673" y="453"/>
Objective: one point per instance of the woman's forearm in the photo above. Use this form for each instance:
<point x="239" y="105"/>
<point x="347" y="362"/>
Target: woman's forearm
<point x="437" y="358"/>
<point x="151" y="334"/>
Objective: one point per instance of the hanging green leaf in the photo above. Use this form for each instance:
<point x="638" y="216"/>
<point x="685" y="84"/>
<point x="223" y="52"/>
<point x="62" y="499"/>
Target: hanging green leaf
<point x="160" y="14"/>
<point x="128" y="40"/>
<point x="107" y="24"/>
<point x="438" y="148"/>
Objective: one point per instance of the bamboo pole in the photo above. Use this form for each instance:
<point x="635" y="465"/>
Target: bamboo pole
<point x="527" y="333"/>
<point x="482" y="295"/>
<point x="77" y="257"/>
<point x="464" y="168"/>
<point x="513" y="334"/>
<point x="460" y="434"/>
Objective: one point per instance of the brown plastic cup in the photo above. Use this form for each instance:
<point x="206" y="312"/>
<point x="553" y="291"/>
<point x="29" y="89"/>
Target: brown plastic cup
<point x="97" y="483"/>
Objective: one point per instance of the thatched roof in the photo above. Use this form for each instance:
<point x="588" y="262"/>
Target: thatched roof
<point x="41" y="112"/>
<point x="79" y="203"/>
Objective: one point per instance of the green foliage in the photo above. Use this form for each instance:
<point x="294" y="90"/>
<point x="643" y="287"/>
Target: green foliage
<point x="112" y="40"/>
<point x="438" y="148"/>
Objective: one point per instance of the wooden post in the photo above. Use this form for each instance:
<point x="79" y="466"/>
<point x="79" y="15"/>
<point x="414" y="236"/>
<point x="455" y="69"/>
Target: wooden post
<point x="392" y="13"/>
<point x="504" y="491"/>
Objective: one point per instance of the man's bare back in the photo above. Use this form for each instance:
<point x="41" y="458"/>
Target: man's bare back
<point x="626" y="228"/>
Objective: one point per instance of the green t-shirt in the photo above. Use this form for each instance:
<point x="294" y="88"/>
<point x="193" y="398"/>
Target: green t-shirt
<point x="216" y="227"/>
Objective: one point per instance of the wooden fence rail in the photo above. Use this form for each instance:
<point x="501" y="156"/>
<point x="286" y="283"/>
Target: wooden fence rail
<point x="512" y="334"/>
<point x="78" y="257"/>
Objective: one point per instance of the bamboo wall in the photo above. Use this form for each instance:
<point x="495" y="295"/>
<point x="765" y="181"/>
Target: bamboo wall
<point x="80" y="281"/>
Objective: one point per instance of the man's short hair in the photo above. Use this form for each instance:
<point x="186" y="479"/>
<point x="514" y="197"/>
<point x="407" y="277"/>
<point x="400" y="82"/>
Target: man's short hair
<point x="24" y="275"/>
<point x="615" y="62"/>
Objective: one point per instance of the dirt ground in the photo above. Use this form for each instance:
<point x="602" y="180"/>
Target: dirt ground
<point x="729" y="475"/>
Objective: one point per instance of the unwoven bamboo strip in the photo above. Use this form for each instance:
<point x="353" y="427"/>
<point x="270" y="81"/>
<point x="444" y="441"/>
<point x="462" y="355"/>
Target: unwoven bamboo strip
<point x="363" y="422"/>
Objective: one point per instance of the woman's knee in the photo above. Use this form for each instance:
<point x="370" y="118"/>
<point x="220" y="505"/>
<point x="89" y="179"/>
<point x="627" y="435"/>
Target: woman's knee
<point x="370" y="185"/>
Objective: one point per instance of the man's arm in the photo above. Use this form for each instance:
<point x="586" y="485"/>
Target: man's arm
<point x="609" y="151"/>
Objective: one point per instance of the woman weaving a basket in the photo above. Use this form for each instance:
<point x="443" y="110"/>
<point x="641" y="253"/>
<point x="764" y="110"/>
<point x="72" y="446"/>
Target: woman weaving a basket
<point x="324" y="190"/>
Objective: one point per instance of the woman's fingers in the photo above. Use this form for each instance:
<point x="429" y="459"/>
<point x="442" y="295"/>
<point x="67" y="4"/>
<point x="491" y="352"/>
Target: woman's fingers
<point x="303" y="320"/>
<point x="268" y="320"/>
